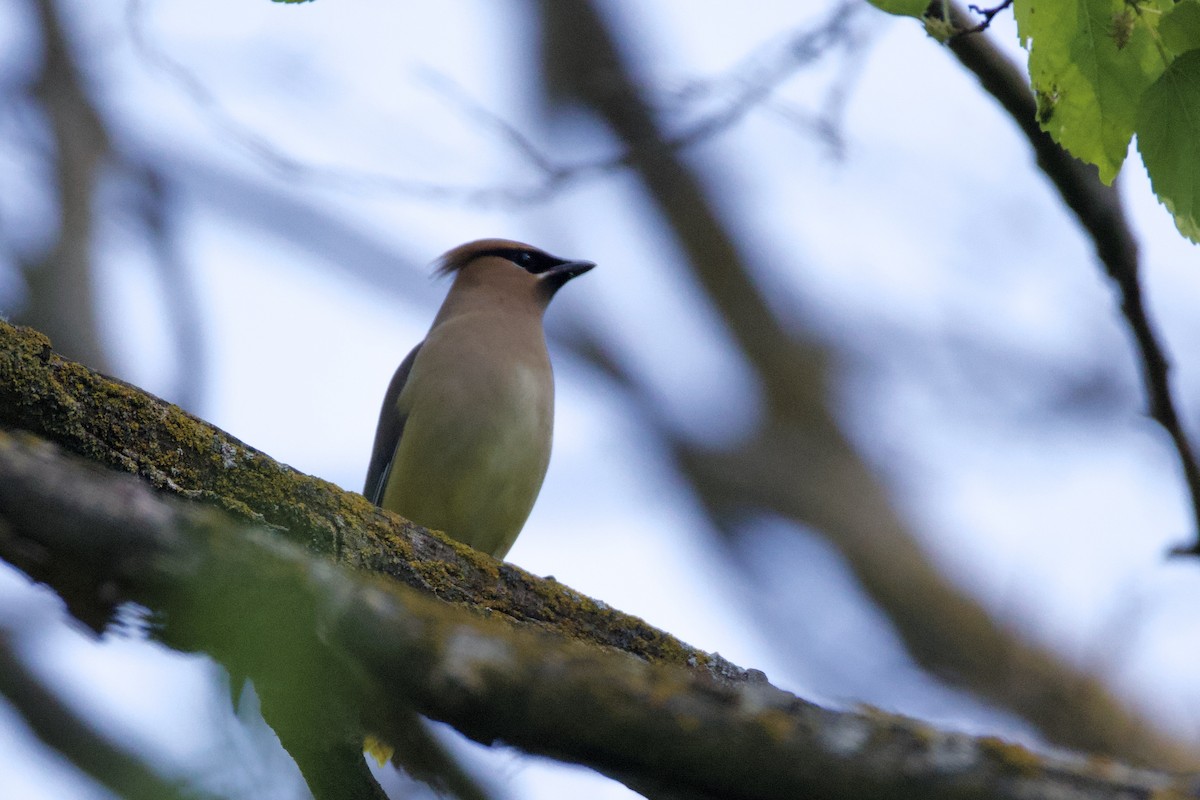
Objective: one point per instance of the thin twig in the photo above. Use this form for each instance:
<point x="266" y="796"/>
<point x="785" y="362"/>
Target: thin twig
<point x="988" y="15"/>
<point x="1098" y="209"/>
<point x="753" y="80"/>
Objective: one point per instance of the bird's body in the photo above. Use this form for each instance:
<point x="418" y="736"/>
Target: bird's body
<point x="465" y="431"/>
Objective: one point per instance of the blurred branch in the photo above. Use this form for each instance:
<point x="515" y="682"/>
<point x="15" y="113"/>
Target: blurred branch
<point x="61" y="292"/>
<point x="250" y="201"/>
<point x="153" y="205"/>
<point x="266" y="152"/>
<point x="60" y="728"/>
<point x="799" y="464"/>
<point x="252" y="600"/>
<point x="744" y="89"/>
<point x="753" y="82"/>
<point x="1099" y="211"/>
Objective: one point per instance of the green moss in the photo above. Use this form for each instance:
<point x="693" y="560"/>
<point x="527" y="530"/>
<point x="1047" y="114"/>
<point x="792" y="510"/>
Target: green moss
<point x="1013" y="756"/>
<point x="777" y="725"/>
<point x="116" y="424"/>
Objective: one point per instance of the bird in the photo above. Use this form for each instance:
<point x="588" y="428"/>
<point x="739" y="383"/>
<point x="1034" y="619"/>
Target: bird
<point x="464" y="434"/>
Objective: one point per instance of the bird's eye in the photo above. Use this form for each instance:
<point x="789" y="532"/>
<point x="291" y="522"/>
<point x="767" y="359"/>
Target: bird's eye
<point x="528" y="260"/>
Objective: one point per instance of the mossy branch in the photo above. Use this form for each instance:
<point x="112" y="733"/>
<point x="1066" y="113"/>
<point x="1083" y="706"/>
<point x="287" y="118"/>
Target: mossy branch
<point x="122" y="426"/>
<point x="242" y="593"/>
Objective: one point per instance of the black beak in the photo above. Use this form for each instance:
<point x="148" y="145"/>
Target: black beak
<point x="554" y="278"/>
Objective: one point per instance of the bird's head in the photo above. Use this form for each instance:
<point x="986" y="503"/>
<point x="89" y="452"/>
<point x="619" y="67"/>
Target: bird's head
<point x="502" y="262"/>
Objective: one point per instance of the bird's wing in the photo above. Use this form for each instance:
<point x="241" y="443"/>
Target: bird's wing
<point x="387" y="435"/>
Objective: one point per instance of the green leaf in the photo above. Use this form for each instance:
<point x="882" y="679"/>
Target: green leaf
<point x="1090" y="61"/>
<point x="1180" y="27"/>
<point x="902" y="8"/>
<point x="1168" y="132"/>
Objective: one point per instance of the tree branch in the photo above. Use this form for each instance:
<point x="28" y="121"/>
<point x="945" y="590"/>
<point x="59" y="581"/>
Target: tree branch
<point x="751" y="85"/>
<point x="988" y="15"/>
<point x="1099" y="211"/>
<point x="61" y="287"/>
<point x="251" y="599"/>
<point x="799" y="464"/>
<point x="118" y="425"/>
<point x="61" y="298"/>
<point x="59" y="727"/>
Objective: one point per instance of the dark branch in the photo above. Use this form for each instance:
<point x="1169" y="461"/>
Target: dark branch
<point x="1098" y="209"/>
<point x="988" y="15"/>
<point x="61" y="297"/>
<point x="59" y="727"/>
<point x="61" y="283"/>
<point x="799" y="464"/>
<point x="257" y="602"/>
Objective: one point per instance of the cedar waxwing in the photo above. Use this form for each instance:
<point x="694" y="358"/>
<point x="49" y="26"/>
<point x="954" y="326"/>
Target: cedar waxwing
<point x="464" y="435"/>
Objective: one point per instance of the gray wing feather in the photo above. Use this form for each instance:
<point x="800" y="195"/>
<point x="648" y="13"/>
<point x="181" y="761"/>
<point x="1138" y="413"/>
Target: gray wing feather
<point x="387" y="435"/>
